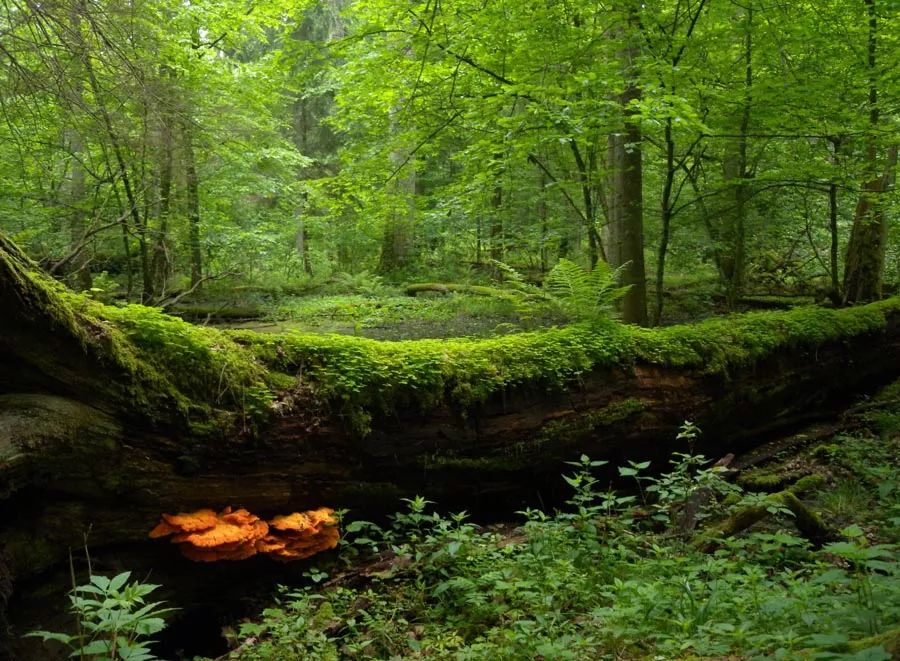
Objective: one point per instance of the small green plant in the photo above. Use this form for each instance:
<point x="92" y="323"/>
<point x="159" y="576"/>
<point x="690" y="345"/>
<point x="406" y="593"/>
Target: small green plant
<point x="569" y="290"/>
<point x="690" y="475"/>
<point x="114" y="620"/>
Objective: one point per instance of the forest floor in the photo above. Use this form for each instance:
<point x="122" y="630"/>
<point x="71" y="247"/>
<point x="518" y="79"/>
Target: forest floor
<point x="702" y="562"/>
<point x="384" y="312"/>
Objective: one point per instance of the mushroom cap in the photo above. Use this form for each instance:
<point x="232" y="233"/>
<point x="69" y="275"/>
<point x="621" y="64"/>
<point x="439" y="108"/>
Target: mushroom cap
<point x="324" y="516"/>
<point x="304" y="521"/>
<point x="300" y="548"/>
<point x="270" y="544"/>
<point x="192" y="521"/>
<point x="239" y="517"/>
<point x="225" y="533"/>
<point x="164" y="528"/>
<point x="197" y="554"/>
<point x="298" y="521"/>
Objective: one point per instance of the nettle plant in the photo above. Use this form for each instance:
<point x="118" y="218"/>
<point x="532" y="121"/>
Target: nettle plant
<point x="115" y="622"/>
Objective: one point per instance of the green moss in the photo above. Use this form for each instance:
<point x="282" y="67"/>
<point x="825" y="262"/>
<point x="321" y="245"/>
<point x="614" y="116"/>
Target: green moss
<point x="808" y="483"/>
<point x="572" y="429"/>
<point x="718" y="345"/>
<point x="451" y="461"/>
<point x="371" y="376"/>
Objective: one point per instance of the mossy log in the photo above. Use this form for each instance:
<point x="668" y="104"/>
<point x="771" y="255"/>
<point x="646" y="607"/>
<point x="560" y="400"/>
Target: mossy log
<point x="808" y="523"/>
<point x="452" y="288"/>
<point x="110" y="416"/>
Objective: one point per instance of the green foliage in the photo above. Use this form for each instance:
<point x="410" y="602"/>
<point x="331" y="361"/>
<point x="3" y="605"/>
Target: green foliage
<point x="115" y="622"/>
<point x="584" y="294"/>
<point x="569" y="290"/>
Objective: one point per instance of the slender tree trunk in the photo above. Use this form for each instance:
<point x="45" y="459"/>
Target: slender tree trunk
<point x="397" y="240"/>
<point x="478" y="240"/>
<point x="542" y="214"/>
<point x="130" y="196"/>
<point x="192" y="190"/>
<point x="864" y="267"/>
<point x="595" y="243"/>
<point x="835" y="294"/>
<point x="736" y="173"/>
<point x="666" y="217"/>
<point x="301" y="243"/>
<point x="78" y="225"/>
<point x="162" y="262"/>
<point x="625" y="230"/>
<point x="496" y="228"/>
<point x="398" y="237"/>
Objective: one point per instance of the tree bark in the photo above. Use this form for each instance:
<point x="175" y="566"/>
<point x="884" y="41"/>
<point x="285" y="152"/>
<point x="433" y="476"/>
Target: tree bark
<point x="192" y="186"/>
<point x="864" y="267"/>
<point x="735" y="172"/>
<point x="162" y="259"/>
<point x="625" y="230"/>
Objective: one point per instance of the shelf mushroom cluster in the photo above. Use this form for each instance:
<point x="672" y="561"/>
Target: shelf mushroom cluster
<point x="207" y="536"/>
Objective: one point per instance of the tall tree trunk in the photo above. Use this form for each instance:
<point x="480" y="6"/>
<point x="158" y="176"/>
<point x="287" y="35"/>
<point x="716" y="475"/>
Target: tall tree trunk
<point x="399" y="229"/>
<point x="585" y="179"/>
<point x="864" y="267"/>
<point x="666" y="217"/>
<point x="736" y="174"/>
<point x="542" y="214"/>
<point x="496" y="228"/>
<point x="835" y="293"/>
<point x="118" y="152"/>
<point x="625" y="229"/>
<point x="162" y="261"/>
<point x="192" y="190"/>
<point x="78" y="225"/>
<point x="301" y="241"/>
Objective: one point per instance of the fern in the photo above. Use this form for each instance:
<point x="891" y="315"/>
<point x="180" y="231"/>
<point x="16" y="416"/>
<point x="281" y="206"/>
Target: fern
<point x="569" y="289"/>
<point x="582" y="294"/>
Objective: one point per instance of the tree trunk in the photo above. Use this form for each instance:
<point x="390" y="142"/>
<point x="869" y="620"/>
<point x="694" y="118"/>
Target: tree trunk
<point x="625" y="229"/>
<point x="864" y="267"/>
<point x="133" y="208"/>
<point x="78" y="225"/>
<point x="192" y="190"/>
<point x="496" y="228"/>
<point x="736" y="174"/>
<point x="161" y="265"/>
<point x="666" y="217"/>
<point x="398" y="236"/>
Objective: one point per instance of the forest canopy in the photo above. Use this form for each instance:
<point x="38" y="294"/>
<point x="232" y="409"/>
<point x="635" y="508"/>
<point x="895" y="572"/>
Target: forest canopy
<point x="152" y="149"/>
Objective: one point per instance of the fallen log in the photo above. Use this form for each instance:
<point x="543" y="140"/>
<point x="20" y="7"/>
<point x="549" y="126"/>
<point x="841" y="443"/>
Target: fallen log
<point x="808" y="523"/>
<point x="111" y="416"/>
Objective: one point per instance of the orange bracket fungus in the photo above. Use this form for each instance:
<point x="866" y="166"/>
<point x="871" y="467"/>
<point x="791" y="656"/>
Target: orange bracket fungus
<point x="205" y="536"/>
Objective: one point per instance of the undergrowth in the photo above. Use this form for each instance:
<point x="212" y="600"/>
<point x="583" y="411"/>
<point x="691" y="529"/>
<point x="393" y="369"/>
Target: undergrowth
<point x="611" y="576"/>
